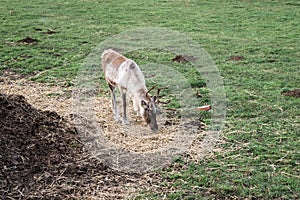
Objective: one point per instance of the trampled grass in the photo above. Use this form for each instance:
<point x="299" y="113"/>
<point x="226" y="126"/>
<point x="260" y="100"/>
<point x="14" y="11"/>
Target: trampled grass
<point x="260" y="155"/>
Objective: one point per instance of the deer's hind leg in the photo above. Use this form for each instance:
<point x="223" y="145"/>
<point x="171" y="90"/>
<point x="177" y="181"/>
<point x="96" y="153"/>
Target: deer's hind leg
<point x="125" y="120"/>
<point x="114" y="103"/>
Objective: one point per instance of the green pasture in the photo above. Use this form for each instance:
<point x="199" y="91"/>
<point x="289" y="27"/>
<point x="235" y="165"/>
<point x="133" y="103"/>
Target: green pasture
<point x="259" y="156"/>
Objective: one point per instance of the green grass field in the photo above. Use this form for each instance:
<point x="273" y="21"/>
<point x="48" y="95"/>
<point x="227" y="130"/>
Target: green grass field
<point x="260" y="156"/>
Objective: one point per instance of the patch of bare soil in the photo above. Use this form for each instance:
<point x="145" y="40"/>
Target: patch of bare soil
<point x="292" y="93"/>
<point x="43" y="157"/>
<point x="28" y="40"/>
<point x="236" y="58"/>
<point x="59" y="99"/>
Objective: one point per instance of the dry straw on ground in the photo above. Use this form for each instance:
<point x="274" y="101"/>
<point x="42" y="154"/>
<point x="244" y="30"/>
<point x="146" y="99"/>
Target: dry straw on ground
<point x="76" y="174"/>
<point x="59" y="99"/>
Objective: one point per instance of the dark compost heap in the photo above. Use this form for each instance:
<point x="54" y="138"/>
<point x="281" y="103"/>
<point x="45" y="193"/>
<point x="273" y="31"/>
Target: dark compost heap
<point x="42" y="158"/>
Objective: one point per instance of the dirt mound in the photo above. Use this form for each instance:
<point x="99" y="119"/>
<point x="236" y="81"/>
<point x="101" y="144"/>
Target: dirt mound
<point x="28" y="40"/>
<point x="292" y="93"/>
<point x="42" y="157"/>
<point x="184" y="58"/>
<point x="236" y="58"/>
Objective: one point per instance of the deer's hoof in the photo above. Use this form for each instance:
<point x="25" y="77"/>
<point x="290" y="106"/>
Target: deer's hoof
<point x="117" y="118"/>
<point x="125" y="122"/>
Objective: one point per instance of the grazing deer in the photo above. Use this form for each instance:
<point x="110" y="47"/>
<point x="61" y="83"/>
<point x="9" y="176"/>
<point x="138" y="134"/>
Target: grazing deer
<point x="125" y="74"/>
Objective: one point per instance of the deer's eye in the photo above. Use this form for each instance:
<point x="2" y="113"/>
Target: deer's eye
<point x="147" y="107"/>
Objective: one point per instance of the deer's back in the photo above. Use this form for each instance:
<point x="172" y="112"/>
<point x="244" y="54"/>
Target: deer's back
<point x="122" y="71"/>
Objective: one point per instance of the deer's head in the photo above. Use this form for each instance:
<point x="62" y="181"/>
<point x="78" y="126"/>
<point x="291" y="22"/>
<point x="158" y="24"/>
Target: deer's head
<point x="150" y="108"/>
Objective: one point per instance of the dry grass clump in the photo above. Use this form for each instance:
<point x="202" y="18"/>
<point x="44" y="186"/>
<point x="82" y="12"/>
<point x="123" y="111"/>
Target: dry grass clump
<point x="43" y="96"/>
<point x="137" y="136"/>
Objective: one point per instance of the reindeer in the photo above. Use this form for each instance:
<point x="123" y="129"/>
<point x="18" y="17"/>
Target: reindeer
<point x="125" y="74"/>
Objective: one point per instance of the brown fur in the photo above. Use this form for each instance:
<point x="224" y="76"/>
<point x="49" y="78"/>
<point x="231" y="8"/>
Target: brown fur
<point x="115" y="58"/>
<point x="118" y="61"/>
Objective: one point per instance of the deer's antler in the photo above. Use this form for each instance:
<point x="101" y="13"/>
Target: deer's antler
<point x="157" y="95"/>
<point x="151" y="89"/>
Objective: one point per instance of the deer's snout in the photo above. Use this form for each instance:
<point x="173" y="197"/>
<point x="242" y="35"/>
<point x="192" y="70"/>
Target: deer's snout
<point x="153" y="123"/>
<point x="154" y="128"/>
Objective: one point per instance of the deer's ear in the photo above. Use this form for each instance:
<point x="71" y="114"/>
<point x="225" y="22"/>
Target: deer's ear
<point x="144" y="104"/>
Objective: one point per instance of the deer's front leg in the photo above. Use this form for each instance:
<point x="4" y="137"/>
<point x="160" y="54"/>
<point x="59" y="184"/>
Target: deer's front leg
<point x="136" y="107"/>
<point x="125" y="120"/>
